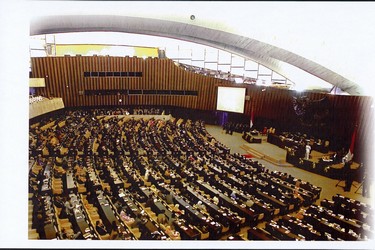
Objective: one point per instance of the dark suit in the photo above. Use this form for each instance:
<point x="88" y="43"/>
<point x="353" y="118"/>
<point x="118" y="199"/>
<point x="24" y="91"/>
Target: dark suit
<point x="101" y="230"/>
<point x="348" y="175"/>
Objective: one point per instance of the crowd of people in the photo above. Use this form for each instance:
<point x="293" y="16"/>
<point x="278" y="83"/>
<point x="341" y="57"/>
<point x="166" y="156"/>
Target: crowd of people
<point x="161" y="177"/>
<point x="231" y="127"/>
<point x="34" y="99"/>
<point x="298" y="142"/>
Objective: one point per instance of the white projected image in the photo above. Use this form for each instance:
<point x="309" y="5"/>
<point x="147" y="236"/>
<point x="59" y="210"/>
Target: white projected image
<point x="231" y="99"/>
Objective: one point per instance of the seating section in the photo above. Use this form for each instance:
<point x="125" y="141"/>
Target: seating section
<point x="329" y="165"/>
<point x="148" y="179"/>
<point x="33" y="233"/>
<point x="251" y="139"/>
<point x="298" y="141"/>
<point x="338" y="219"/>
<point x="34" y="99"/>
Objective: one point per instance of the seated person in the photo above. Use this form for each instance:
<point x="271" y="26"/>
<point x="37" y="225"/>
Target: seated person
<point x="296" y="193"/>
<point x="156" y="235"/>
<point x="161" y="217"/>
<point x="115" y="231"/>
<point x="327" y="158"/>
<point x="200" y="206"/>
<point x="149" y="201"/>
<point x="250" y="202"/>
<point x="100" y="228"/>
<point x="153" y="188"/>
<point x="59" y="202"/>
<point x="215" y="200"/>
<point x="175" y="235"/>
<point x="300" y="214"/>
<point x="161" y="195"/>
<point x="68" y="207"/>
<point x="107" y="192"/>
<point x="167" y="173"/>
<point x="126" y="218"/>
<point x="63" y="234"/>
<point x="254" y="132"/>
<point x="233" y="195"/>
<point x="63" y="214"/>
<point x="169" y="198"/>
<point x="142" y="218"/>
<point x="177" y="210"/>
<point x="69" y="236"/>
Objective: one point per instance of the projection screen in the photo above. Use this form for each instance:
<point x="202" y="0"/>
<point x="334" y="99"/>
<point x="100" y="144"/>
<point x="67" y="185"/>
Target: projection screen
<point x="231" y="99"/>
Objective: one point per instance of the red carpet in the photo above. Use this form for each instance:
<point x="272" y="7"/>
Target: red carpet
<point x="248" y="155"/>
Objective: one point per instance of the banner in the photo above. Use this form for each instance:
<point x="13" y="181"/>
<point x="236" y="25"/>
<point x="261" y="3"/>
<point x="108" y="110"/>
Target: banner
<point x="350" y="154"/>
<point x="251" y="118"/>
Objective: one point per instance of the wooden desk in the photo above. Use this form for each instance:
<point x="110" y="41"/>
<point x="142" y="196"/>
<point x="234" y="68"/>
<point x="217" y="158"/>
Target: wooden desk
<point x="275" y="202"/>
<point x="298" y="226"/>
<point x="94" y="183"/>
<point x="70" y="183"/>
<point x="255" y="233"/>
<point x="186" y="231"/>
<point x="79" y="215"/>
<point x="135" y="211"/>
<point x="281" y="232"/>
<point x="235" y="237"/>
<point x="46" y="188"/>
<point x="263" y="209"/>
<point x="249" y="214"/>
<point x="228" y="217"/>
<point x="105" y="209"/>
<point x="50" y="231"/>
<point x="342" y="222"/>
<point x="45" y="106"/>
<point x="308" y="196"/>
<point x="198" y="218"/>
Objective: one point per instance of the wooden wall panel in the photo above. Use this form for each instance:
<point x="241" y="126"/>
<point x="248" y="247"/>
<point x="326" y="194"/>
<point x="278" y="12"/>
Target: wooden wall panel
<point x="163" y="74"/>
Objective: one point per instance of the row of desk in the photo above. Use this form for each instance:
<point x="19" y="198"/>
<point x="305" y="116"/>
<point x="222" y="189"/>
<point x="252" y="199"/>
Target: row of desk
<point x="193" y="216"/>
<point x="264" y="209"/>
<point x="228" y="218"/>
<point x="80" y="218"/>
<point x="282" y="141"/>
<point x="50" y="222"/>
<point x="282" y="233"/>
<point x="186" y="231"/>
<point x="71" y="186"/>
<point x="108" y="216"/>
<point x="258" y="188"/>
<point x="46" y="187"/>
<point x="248" y="213"/>
<point x="235" y="173"/>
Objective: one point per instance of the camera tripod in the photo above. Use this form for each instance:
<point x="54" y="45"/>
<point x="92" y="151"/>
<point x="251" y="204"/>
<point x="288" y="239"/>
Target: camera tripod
<point x="337" y="185"/>
<point x="361" y="184"/>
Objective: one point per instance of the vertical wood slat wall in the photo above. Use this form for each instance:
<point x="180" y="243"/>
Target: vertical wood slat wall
<point x="65" y="79"/>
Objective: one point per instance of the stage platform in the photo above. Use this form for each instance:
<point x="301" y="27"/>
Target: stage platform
<point x="274" y="159"/>
<point x="267" y="152"/>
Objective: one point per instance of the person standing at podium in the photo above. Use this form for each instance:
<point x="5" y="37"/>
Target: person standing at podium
<point x="308" y="150"/>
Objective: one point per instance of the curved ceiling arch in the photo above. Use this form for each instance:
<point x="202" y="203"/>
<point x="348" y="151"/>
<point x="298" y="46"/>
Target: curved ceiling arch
<point x="263" y="53"/>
